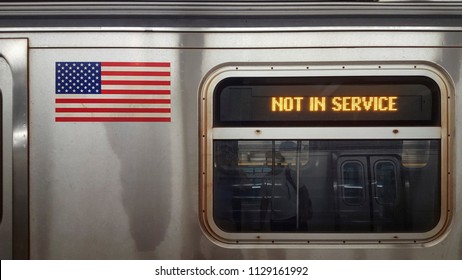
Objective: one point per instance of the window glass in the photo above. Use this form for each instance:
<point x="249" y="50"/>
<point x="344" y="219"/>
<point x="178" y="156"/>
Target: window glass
<point x="293" y="186"/>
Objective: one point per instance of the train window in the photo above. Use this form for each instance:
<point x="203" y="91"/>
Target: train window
<point x="319" y="158"/>
<point x="272" y="189"/>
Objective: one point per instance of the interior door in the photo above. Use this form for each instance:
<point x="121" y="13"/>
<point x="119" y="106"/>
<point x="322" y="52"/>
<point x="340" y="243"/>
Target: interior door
<point x="353" y="193"/>
<point x="14" y="192"/>
<point x="388" y="202"/>
<point x="370" y="193"/>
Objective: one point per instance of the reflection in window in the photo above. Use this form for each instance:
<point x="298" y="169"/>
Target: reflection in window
<point x="291" y="186"/>
<point x="353" y="183"/>
<point x="258" y="187"/>
<point x="385" y="188"/>
<point x="415" y="153"/>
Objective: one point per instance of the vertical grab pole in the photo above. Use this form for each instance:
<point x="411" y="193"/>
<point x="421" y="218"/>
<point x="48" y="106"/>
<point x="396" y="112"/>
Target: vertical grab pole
<point x="297" y="162"/>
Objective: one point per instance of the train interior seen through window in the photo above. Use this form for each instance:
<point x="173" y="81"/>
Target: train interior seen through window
<point x="312" y="186"/>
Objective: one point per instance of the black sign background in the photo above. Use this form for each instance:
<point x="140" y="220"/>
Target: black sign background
<point x="247" y="101"/>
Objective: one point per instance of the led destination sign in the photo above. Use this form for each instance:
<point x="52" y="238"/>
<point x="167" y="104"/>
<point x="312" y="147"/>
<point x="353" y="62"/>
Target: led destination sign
<point x="335" y="104"/>
<point x="327" y="101"/>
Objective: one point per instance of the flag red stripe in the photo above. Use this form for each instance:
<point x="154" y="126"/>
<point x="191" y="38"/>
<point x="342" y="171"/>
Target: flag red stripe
<point x="135" y="83"/>
<point x="136" y="64"/>
<point x="120" y="101"/>
<point x="109" y="119"/>
<point x="134" y="91"/>
<point x="134" y="73"/>
<point x="112" y="110"/>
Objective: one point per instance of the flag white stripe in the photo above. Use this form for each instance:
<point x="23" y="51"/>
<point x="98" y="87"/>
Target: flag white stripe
<point x="135" y="69"/>
<point x="136" y="78"/>
<point x="134" y="87"/>
<point x="113" y="96"/>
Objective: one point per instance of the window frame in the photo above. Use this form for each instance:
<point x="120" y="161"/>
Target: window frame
<point x="209" y="133"/>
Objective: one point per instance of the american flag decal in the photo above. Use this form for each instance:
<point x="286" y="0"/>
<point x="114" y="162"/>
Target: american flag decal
<point x="112" y="92"/>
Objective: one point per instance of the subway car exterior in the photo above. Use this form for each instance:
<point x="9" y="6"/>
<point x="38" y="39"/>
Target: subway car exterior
<point x="231" y="130"/>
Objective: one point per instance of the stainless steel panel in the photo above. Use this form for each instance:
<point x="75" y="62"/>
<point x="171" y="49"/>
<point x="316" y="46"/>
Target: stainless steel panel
<point x="128" y="191"/>
<point x="14" y="229"/>
<point x="224" y="8"/>
<point x="242" y="38"/>
<point x="131" y="190"/>
<point x="6" y="220"/>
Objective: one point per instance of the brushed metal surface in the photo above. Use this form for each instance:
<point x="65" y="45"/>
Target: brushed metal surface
<point x="15" y="147"/>
<point x="131" y="190"/>
<point x="6" y="203"/>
